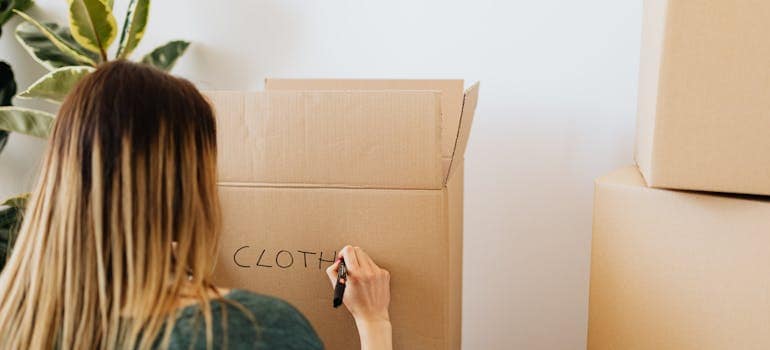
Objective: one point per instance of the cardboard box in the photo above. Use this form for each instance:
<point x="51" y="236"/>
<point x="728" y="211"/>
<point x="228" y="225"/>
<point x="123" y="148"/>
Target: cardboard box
<point x="704" y="110"/>
<point x="677" y="270"/>
<point x="451" y="91"/>
<point x="303" y="173"/>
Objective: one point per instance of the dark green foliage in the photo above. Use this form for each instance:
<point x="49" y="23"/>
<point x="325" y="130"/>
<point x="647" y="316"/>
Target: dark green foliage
<point x="7" y="84"/>
<point x="7" y="90"/>
<point x="10" y="218"/>
<point x="7" y="7"/>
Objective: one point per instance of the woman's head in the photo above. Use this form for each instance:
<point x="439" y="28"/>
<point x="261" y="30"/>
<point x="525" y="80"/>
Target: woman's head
<point x="123" y="219"/>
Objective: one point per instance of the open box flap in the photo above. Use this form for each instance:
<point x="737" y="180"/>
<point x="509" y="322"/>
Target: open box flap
<point x="451" y="99"/>
<point x="470" y="101"/>
<point x="369" y="139"/>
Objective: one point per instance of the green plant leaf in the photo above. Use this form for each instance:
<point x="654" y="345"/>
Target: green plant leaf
<point x="7" y="84"/>
<point x="10" y="222"/>
<point x="55" y="39"/>
<point x="6" y="11"/>
<point x="3" y="254"/>
<point x="8" y="217"/>
<point x="44" y="51"/>
<point x="3" y="139"/>
<point x="22" y="5"/>
<point x="7" y="7"/>
<point x="164" y="57"/>
<point x="133" y="27"/>
<point x="4" y="233"/>
<point x="7" y="90"/>
<point x="55" y="85"/>
<point x="3" y="251"/>
<point x="93" y="25"/>
<point x="26" y="121"/>
<point x="18" y="201"/>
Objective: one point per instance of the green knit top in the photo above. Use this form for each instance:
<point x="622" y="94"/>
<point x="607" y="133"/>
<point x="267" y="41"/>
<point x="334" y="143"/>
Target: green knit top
<point x="278" y="325"/>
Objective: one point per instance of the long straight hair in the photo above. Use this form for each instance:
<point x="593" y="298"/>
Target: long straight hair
<point x="123" y="221"/>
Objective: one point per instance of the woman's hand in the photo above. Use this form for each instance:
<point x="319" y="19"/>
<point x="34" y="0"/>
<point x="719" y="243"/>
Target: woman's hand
<point x="367" y="297"/>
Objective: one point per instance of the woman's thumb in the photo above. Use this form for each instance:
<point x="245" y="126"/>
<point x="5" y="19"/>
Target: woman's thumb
<point x="331" y="271"/>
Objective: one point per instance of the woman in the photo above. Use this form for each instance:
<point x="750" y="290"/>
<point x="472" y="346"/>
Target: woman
<point x="120" y="234"/>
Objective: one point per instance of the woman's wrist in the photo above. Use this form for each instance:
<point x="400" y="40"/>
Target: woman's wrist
<point x="373" y="323"/>
<point x="373" y="319"/>
<point x="375" y="333"/>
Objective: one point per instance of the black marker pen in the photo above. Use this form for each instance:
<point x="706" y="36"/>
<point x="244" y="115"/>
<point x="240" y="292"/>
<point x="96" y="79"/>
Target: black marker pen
<point x="339" y="287"/>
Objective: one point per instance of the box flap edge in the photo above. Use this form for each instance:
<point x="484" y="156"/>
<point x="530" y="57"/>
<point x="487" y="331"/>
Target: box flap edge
<point x="468" y="110"/>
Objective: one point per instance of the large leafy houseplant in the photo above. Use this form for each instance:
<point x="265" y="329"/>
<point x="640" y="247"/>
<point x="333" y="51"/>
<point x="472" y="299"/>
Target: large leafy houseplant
<point x="7" y="81"/>
<point x="69" y="54"/>
<point x="9" y="217"/>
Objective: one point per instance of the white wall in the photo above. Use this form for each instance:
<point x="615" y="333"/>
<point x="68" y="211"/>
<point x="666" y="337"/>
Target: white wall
<point x="556" y="110"/>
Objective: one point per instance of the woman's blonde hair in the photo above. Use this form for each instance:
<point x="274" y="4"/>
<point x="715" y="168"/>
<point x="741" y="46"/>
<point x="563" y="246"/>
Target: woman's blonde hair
<point x="123" y="220"/>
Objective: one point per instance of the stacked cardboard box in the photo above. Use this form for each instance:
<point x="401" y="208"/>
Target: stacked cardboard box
<point x="704" y="110"/>
<point x="678" y="270"/>
<point x="311" y="165"/>
<point x="676" y="265"/>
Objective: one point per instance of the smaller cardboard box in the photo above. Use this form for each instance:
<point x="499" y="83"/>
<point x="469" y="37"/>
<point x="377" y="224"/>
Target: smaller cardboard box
<point x="677" y="270"/>
<point x="311" y="165"/>
<point x="704" y="95"/>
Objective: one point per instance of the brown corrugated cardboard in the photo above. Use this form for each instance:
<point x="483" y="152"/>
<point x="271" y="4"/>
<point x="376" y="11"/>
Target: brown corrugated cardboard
<point x="285" y="219"/>
<point x="454" y="209"/>
<point x="380" y="139"/>
<point x="677" y="270"/>
<point x="703" y="106"/>
<point x="451" y="99"/>
<point x="464" y="130"/>
<point x="279" y="241"/>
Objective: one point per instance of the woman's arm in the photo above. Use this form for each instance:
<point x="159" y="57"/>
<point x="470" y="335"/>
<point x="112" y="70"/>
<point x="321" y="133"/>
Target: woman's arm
<point x="367" y="297"/>
<point x="375" y="335"/>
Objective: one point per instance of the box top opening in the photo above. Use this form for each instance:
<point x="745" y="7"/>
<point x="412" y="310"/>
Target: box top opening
<point x="457" y="105"/>
<point x="348" y="137"/>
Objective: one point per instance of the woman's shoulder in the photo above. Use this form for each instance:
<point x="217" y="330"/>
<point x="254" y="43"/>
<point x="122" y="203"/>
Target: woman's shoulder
<point x="256" y="321"/>
<point x="279" y="324"/>
<point x="258" y="300"/>
<point x="267" y="310"/>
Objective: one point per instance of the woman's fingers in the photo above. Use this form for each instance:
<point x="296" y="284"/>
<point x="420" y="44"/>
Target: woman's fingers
<point x="364" y="259"/>
<point x="331" y="271"/>
<point x="351" y="259"/>
<point x="367" y="296"/>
